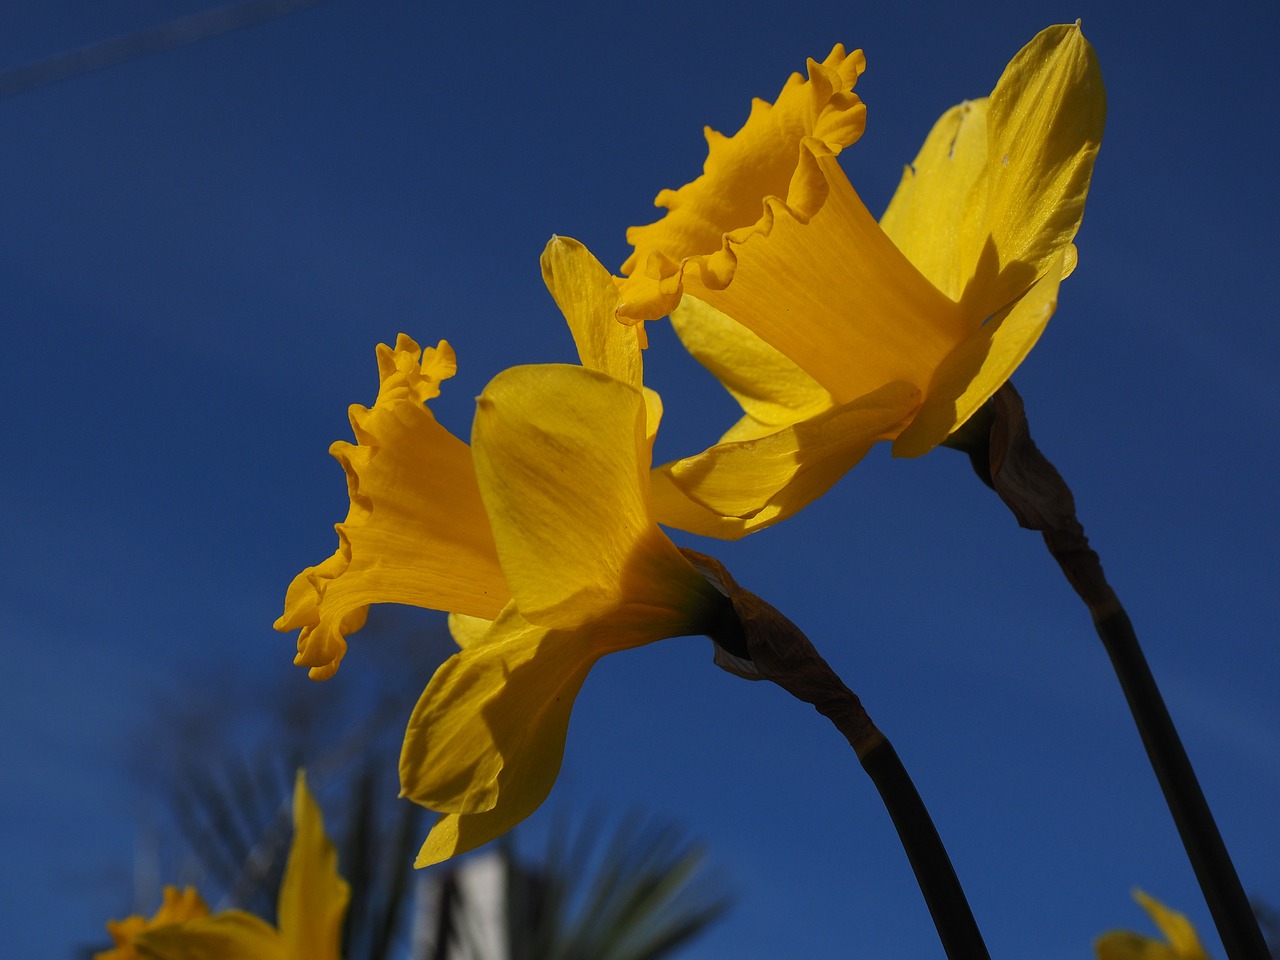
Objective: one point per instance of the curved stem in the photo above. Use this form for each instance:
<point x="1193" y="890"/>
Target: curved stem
<point x="1238" y="927"/>
<point x="758" y="643"/>
<point x="938" y="882"/>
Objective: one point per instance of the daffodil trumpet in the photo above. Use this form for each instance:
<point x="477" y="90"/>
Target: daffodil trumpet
<point x="1005" y="457"/>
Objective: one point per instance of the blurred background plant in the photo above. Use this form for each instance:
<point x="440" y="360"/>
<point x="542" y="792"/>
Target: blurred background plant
<point x="216" y="768"/>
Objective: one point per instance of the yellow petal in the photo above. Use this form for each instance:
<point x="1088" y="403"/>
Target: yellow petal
<point x="562" y="458"/>
<point x="488" y="732"/>
<point x="1044" y="127"/>
<point x="313" y="897"/>
<point x="771" y="156"/>
<point x="765" y="480"/>
<point x="415" y="532"/>
<point x="456" y="833"/>
<point x="1121" y="945"/>
<point x="935" y="198"/>
<point x="178" y="906"/>
<point x="587" y="295"/>
<point x="770" y="387"/>
<point x="1176" y="928"/>
<point x="978" y="367"/>
<point x="231" y="934"/>
<point x="468" y="631"/>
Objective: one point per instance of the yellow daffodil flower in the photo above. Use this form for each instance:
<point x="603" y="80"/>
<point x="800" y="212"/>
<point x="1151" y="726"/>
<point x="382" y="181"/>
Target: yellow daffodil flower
<point x="834" y="331"/>
<point x="1181" y="942"/>
<point x="539" y="538"/>
<point x="313" y="901"/>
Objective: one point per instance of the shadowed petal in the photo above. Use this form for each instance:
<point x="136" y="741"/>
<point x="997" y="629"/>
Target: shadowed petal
<point x="231" y="934"/>
<point x="489" y="730"/>
<point x="764" y="480"/>
<point x="978" y="367"/>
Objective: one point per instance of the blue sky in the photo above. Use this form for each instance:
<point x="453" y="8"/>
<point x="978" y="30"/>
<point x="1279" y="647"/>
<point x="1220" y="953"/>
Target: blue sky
<point x="202" y="247"/>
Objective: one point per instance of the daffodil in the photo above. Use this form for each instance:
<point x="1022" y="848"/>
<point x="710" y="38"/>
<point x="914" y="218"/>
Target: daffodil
<point x="539" y="538"/>
<point x="834" y="331"/>
<point x="1180" y="940"/>
<point x="313" y="901"/>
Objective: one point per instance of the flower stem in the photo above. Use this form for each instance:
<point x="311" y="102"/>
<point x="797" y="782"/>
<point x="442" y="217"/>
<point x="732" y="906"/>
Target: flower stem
<point x="938" y="882"/>
<point x="758" y="643"/>
<point x="999" y="443"/>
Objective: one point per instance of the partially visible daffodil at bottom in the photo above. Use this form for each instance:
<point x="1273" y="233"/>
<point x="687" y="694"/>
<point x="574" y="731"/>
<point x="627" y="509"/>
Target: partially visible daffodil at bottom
<point x="1180" y="943"/>
<point x="539" y="538"/>
<point x="313" y="901"/>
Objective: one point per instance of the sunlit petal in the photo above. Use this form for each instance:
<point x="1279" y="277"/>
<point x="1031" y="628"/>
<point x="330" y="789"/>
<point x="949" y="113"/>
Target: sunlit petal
<point x="563" y="459"/>
<point x="936" y="197"/>
<point x="587" y="295"/>
<point x="1044" y="128"/>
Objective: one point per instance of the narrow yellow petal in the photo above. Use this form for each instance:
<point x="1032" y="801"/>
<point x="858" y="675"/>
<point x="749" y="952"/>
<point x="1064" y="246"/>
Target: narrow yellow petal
<point x="785" y="471"/>
<point x="770" y="157"/>
<point x="1176" y="928"/>
<point x="416" y="530"/>
<point x="231" y="934"/>
<point x="456" y="833"/>
<point x="978" y="367"/>
<point x="587" y="295"/>
<point x="1044" y="127"/>
<point x="313" y="897"/>
<point x="488" y="732"/>
<point x="563" y="459"/>
<point x="935" y="197"/>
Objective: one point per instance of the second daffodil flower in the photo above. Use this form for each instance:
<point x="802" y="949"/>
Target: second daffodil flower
<point x="539" y="538"/>
<point x="834" y="331"/>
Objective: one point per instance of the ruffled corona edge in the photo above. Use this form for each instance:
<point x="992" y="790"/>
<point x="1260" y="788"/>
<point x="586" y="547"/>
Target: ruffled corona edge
<point x="769" y="168"/>
<point x="409" y="376"/>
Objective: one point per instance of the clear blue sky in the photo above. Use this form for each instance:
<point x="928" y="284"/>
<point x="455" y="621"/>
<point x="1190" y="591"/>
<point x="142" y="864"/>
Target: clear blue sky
<point x="200" y="250"/>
